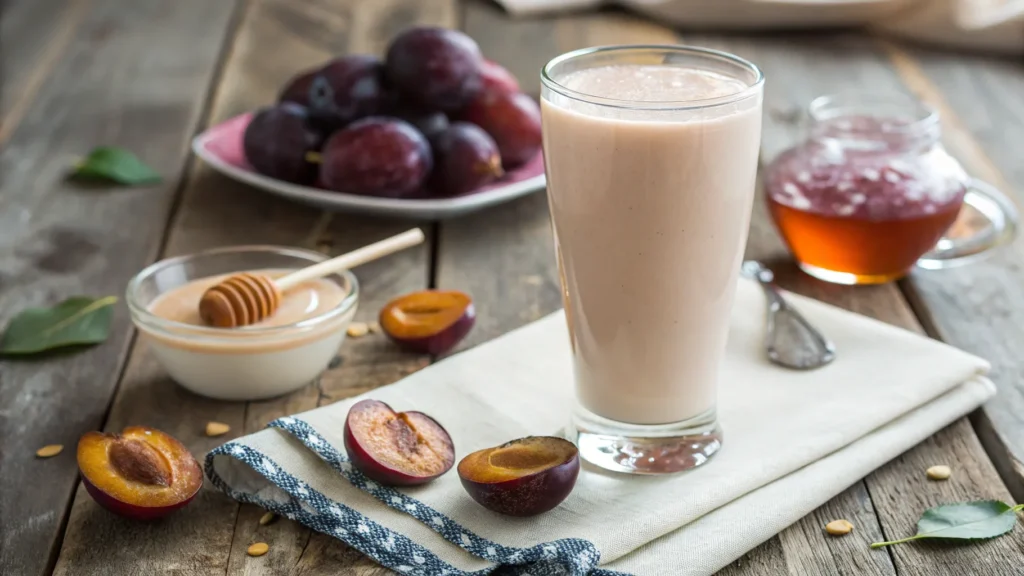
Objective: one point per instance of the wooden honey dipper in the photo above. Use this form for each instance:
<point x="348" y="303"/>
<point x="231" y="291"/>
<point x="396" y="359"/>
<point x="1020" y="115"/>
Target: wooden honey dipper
<point x="247" y="298"/>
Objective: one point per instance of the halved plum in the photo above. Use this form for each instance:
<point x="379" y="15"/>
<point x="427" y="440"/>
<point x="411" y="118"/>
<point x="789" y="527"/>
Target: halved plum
<point x="396" y="448"/>
<point x="524" y="477"/>
<point x="431" y="321"/>
<point x="141" y="473"/>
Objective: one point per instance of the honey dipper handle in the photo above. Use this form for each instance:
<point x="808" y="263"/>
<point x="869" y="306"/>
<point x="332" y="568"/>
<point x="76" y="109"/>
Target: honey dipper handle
<point x="352" y="259"/>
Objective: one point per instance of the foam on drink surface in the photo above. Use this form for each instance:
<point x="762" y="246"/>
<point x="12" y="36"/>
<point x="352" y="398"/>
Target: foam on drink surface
<point x="650" y="83"/>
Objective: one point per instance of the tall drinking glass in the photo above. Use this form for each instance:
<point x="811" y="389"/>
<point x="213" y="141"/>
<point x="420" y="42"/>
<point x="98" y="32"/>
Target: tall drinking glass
<point x="651" y="155"/>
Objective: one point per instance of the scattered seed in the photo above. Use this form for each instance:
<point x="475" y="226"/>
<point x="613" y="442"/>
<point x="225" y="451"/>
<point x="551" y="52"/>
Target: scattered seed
<point x="217" y="428"/>
<point x="839" y="527"/>
<point x="267" y="518"/>
<point x="357" y="329"/>
<point x="258" y="549"/>
<point x="50" y="450"/>
<point x="940" y="472"/>
<point x="374" y="327"/>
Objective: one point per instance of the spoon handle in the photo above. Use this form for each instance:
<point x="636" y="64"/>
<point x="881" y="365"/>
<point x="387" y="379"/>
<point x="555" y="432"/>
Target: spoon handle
<point x="790" y="340"/>
<point x="352" y="259"/>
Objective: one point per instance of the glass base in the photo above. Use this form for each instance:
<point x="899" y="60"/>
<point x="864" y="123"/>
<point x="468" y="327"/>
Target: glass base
<point x="849" y="278"/>
<point x="646" y="449"/>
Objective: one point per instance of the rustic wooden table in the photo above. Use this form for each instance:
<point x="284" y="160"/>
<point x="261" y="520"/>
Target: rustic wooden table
<point x="147" y="74"/>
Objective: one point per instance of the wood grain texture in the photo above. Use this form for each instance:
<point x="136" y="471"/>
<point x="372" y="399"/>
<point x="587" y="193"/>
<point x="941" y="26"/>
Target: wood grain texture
<point x="902" y="490"/>
<point x="109" y="86"/>
<point x="980" y="307"/>
<point x="34" y="36"/>
<point x="274" y="40"/>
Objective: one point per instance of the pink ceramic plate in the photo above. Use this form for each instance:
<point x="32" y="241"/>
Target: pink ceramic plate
<point x="221" y="147"/>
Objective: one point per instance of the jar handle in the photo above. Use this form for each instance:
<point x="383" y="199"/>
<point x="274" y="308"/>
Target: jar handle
<point x="1003" y="219"/>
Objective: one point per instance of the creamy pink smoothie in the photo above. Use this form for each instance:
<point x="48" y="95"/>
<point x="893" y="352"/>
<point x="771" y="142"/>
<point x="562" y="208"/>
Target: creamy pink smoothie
<point x="650" y="211"/>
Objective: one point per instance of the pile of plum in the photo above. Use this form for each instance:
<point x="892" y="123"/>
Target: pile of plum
<point x="434" y="119"/>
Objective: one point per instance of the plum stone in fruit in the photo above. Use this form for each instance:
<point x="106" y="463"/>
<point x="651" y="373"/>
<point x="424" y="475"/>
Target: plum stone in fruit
<point x="436" y="67"/>
<point x="376" y="156"/>
<point x="465" y="158"/>
<point x="277" y="141"/>
<point x="141" y="473"/>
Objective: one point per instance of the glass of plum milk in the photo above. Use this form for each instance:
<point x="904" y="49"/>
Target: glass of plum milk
<point x="871" y="192"/>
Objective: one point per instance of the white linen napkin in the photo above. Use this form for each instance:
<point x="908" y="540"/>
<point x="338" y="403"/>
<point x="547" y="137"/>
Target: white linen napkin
<point x="792" y="441"/>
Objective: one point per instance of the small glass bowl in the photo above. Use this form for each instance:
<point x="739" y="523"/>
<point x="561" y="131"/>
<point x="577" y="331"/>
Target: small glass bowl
<point x="246" y="363"/>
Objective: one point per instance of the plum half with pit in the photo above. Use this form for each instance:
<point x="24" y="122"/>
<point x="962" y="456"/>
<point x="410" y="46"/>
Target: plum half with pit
<point x="465" y="158"/>
<point x="396" y="448"/>
<point x="141" y="473"/>
<point x="524" y="477"/>
<point x="277" y="143"/>
<point x="430" y="321"/>
<point x="376" y="156"/>
<point x="437" y="67"/>
<point x="512" y="119"/>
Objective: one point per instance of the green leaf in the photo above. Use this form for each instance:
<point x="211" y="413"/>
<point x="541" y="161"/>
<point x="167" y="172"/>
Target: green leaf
<point x="78" y="320"/>
<point x="117" y="165"/>
<point x="977" y="520"/>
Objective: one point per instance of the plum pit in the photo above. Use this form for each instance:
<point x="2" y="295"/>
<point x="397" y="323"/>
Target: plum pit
<point x="140" y="473"/>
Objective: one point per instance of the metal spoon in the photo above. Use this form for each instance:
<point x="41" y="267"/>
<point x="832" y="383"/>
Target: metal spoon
<point x="790" y="339"/>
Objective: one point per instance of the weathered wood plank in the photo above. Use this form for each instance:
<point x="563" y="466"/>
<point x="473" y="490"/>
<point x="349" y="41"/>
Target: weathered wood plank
<point x="980" y="307"/>
<point x="275" y="39"/>
<point x="34" y="35"/>
<point x="903" y="491"/>
<point x="797" y="70"/>
<point x="109" y="86"/>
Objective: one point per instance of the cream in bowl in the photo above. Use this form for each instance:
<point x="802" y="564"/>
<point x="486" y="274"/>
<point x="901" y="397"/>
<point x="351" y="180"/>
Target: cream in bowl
<point x="279" y="354"/>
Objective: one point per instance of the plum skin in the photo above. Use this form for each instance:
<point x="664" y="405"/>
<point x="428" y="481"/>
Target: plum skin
<point x="440" y="68"/>
<point x="465" y="158"/>
<point x="512" y="119"/>
<point x="430" y="123"/>
<point x="297" y="89"/>
<point x="375" y="470"/>
<point x="497" y="77"/>
<point x="529" y="495"/>
<point x="443" y="341"/>
<point x="95" y="452"/>
<point x="277" y="140"/>
<point x="376" y="156"/>
<point x="131" y="510"/>
<point x="349" y="88"/>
